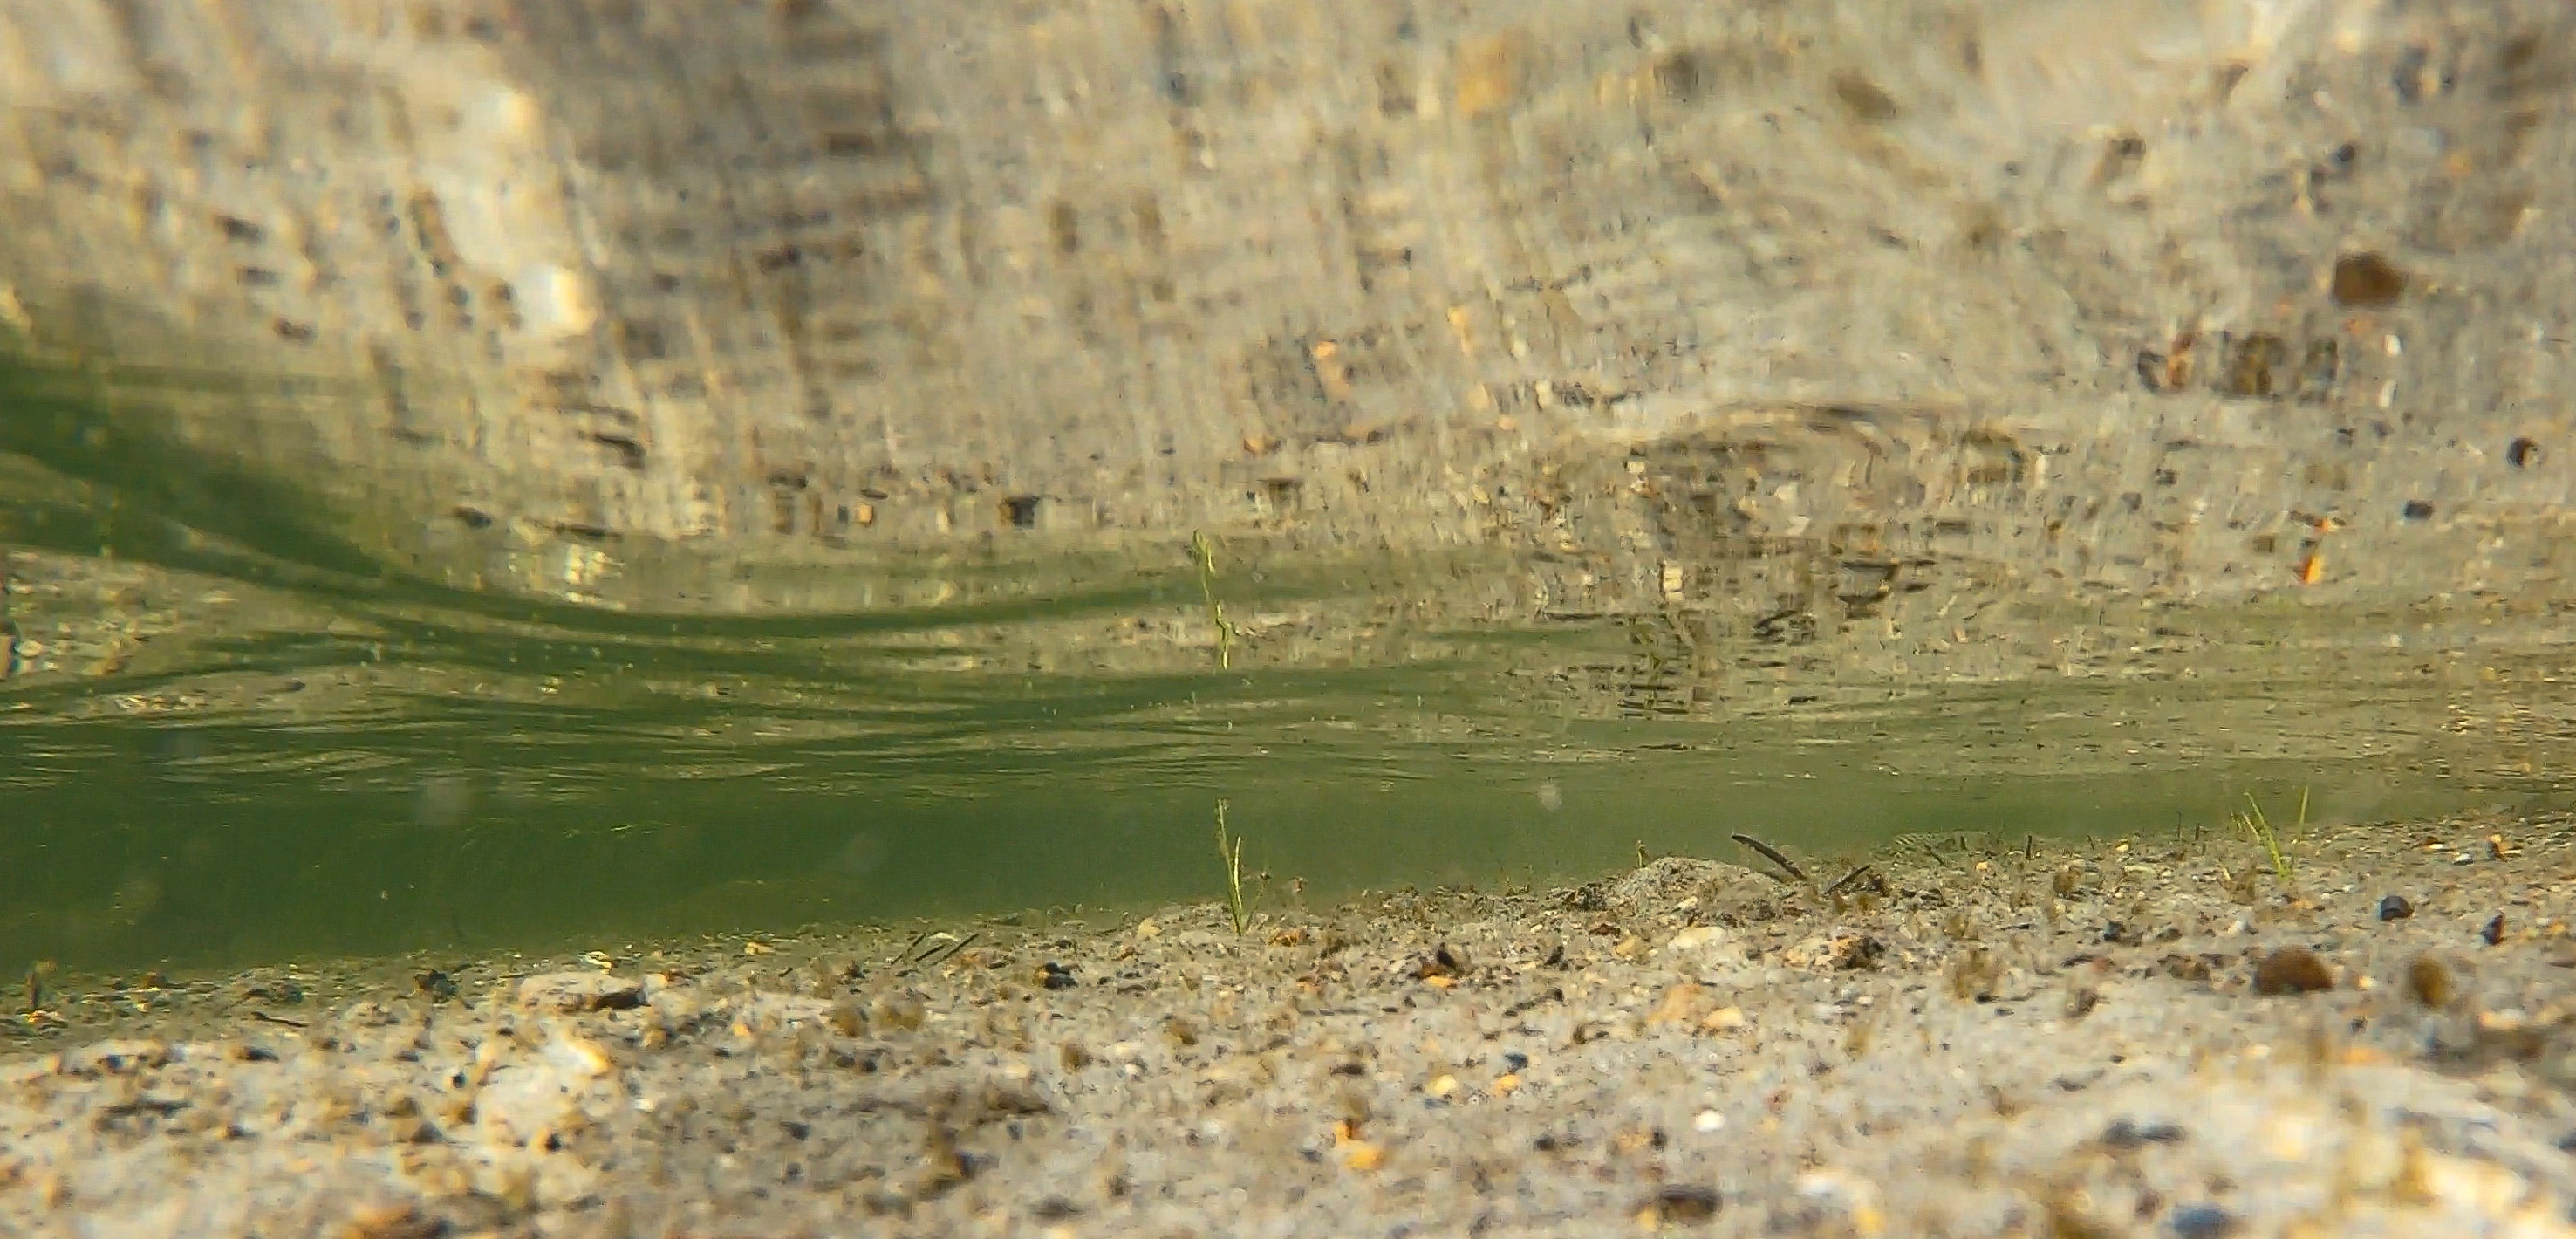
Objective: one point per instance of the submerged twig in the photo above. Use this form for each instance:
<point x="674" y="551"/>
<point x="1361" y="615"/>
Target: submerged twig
<point x="1773" y="855"/>
<point x="933" y="959"/>
<point x="1847" y="879"/>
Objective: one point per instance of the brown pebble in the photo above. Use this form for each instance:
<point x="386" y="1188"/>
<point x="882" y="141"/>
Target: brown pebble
<point x="2292" y="970"/>
<point x="2366" y="279"/>
<point x="1448" y="961"/>
<point x="2428" y="981"/>
<point x="390" y="1221"/>
<point x="2081" y="1002"/>
<point x="847" y="1018"/>
<point x="1678" y="1203"/>
<point x="575" y="992"/>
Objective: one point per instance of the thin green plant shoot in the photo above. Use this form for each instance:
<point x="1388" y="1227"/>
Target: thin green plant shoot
<point x="1229" y="850"/>
<point x="2260" y="829"/>
<point x="1203" y="552"/>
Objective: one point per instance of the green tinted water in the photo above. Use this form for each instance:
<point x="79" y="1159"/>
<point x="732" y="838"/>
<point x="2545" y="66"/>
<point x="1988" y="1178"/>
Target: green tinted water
<point x="280" y="773"/>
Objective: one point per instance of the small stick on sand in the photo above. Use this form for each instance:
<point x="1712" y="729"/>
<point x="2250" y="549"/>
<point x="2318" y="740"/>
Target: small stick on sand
<point x="1846" y="880"/>
<point x="1773" y="855"/>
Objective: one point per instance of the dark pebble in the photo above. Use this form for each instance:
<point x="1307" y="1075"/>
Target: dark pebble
<point x="2129" y="1134"/>
<point x="2395" y="908"/>
<point x="2494" y="932"/>
<point x="2292" y="970"/>
<point x="2201" y="1222"/>
<point x="1515" y="1061"/>
<point x="1681" y="1203"/>
<point x="2366" y="279"/>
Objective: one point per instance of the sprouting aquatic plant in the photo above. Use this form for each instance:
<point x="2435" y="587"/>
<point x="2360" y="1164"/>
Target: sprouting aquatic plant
<point x="1203" y="552"/>
<point x="1229" y="850"/>
<point x="2260" y="829"/>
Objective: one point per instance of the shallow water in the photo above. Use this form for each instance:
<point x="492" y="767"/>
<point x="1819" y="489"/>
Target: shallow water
<point x="203" y="769"/>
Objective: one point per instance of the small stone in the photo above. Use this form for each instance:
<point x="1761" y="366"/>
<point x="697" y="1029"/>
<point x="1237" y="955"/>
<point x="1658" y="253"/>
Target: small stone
<point x="1052" y="975"/>
<point x="1363" y="1156"/>
<point x="1679" y="1203"/>
<point x="574" y="992"/>
<point x="391" y="1221"/>
<point x="847" y="1018"/>
<point x="1686" y="1002"/>
<point x="2201" y="1222"/>
<point x="1842" y="951"/>
<point x="2429" y="982"/>
<point x="1724" y="1019"/>
<point x="1707" y="1121"/>
<point x="1443" y="1087"/>
<point x="1697" y="938"/>
<point x="2395" y="908"/>
<point x="1148" y="929"/>
<point x="2130" y="1134"/>
<point x="2494" y="931"/>
<point x="2292" y="970"/>
<point x="901" y="1012"/>
<point x="2366" y="279"/>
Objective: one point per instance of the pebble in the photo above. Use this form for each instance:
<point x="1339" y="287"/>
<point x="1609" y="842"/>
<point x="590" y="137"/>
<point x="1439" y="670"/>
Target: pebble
<point x="1841" y="951"/>
<point x="2130" y="1134"/>
<point x="2395" y="908"/>
<point x="1697" y="938"/>
<point x="2201" y="1222"/>
<point x="1679" y="1203"/>
<point x="2292" y="970"/>
<point x="2428" y="982"/>
<point x="1684" y="1003"/>
<point x="574" y="992"/>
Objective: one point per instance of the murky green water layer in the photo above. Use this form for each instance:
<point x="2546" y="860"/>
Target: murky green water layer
<point x="201" y="769"/>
